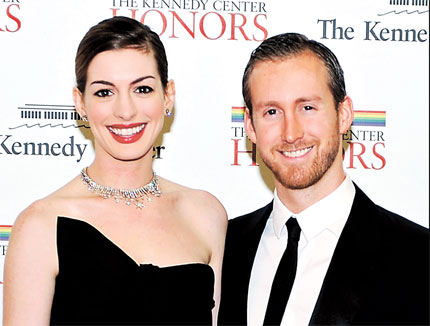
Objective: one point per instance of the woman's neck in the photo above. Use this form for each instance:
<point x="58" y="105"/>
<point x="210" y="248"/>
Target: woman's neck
<point x="115" y="173"/>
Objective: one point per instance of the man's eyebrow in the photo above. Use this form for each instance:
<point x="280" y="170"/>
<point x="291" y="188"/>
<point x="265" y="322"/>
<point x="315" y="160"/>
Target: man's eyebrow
<point x="276" y="103"/>
<point x="308" y="98"/>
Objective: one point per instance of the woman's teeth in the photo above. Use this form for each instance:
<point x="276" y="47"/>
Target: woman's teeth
<point x="127" y="131"/>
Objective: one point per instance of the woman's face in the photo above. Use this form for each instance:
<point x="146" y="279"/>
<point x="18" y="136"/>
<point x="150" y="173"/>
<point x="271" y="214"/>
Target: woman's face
<point x="124" y="102"/>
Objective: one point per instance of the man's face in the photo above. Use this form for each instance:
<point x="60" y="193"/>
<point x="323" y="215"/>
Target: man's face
<point x="295" y="125"/>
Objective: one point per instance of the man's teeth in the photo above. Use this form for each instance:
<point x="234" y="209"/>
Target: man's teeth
<point x="126" y="131"/>
<point x="297" y="153"/>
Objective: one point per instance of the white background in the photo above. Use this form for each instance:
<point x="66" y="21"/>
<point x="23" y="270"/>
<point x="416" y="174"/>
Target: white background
<point x="37" y="67"/>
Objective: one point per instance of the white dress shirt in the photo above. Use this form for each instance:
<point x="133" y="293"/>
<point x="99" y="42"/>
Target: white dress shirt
<point x="321" y="225"/>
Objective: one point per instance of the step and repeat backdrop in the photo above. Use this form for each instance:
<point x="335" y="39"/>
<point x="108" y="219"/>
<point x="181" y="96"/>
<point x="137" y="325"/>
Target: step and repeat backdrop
<point x="383" y="46"/>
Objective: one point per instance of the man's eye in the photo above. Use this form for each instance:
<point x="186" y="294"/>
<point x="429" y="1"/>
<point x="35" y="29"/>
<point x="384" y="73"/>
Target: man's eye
<point x="271" y="112"/>
<point x="308" y="107"/>
<point x="144" y="89"/>
<point x="103" y="93"/>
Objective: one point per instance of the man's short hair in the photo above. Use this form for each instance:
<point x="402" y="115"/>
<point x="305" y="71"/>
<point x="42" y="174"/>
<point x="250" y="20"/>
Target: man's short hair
<point x="284" y="46"/>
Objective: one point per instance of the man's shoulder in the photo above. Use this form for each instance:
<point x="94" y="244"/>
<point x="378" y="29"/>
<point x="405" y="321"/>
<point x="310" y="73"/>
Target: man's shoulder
<point x="249" y="224"/>
<point x="387" y="221"/>
<point x="252" y="216"/>
<point x="402" y="226"/>
<point x="400" y="221"/>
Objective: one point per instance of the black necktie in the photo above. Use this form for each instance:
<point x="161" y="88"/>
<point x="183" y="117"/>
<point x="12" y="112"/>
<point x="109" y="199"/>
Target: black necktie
<point x="284" y="278"/>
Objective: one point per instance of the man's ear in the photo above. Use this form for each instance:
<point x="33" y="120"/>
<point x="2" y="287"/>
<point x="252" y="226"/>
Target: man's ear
<point x="169" y="95"/>
<point x="345" y="114"/>
<point x="249" y="126"/>
<point x="79" y="102"/>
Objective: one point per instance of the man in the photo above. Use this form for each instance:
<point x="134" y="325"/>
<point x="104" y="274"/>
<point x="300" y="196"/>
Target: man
<point x="357" y="263"/>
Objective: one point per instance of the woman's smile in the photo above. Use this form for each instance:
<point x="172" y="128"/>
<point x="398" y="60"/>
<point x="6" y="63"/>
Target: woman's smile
<point x="127" y="134"/>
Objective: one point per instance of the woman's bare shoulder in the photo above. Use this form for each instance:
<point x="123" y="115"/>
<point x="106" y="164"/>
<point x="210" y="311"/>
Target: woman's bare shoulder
<point x="199" y="203"/>
<point x="31" y="263"/>
<point x="43" y="212"/>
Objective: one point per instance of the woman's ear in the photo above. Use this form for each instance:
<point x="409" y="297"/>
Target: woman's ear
<point x="345" y="114"/>
<point x="169" y="96"/>
<point x="79" y="102"/>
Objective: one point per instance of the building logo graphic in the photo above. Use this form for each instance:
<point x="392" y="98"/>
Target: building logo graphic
<point x="39" y="116"/>
<point x="407" y="5"/>
<point x="409" y="2"/>
<point x="66" y="114"/>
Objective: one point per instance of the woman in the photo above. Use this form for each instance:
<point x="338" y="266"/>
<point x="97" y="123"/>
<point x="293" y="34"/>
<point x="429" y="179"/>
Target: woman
<point x="118" y="244"/>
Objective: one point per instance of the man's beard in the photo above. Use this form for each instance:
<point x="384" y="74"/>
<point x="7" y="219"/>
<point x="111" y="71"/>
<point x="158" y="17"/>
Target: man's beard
<point x="301" y="177"/>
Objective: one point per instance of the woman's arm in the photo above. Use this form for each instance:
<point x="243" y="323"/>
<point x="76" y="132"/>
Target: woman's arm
<point x="30" y="268"/>
<point x="216" y="227"/>
<point x="216" y="263"/>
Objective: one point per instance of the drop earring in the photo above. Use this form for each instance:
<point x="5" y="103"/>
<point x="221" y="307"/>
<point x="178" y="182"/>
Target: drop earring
<point x="84" y="118"/>
<point x="168" y="113"/>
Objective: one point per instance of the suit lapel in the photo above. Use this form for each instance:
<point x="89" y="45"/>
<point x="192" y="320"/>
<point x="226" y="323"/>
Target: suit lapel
<point x="246" y="233"/>
<point x="349" y="275"/>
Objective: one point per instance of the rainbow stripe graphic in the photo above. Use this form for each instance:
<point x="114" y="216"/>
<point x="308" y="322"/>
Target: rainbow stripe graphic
<point x="237" y="113"/>
<point x="5" y="232"/>
<point x="369" y="118"/>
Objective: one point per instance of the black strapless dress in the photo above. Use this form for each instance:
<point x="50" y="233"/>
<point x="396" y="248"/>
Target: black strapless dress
<point x="99" y="284"/>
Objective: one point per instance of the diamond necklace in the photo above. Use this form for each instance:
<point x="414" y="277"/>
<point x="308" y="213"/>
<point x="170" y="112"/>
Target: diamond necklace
<point x="136" y="196"/>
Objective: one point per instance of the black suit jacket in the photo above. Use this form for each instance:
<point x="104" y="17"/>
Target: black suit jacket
<point x="379" y="273"/>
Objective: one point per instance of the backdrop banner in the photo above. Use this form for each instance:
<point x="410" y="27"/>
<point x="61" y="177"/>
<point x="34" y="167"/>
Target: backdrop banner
<point x="382" y="45"/>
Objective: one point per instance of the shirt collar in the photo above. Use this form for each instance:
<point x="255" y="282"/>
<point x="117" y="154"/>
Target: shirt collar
<point x="329" y="213"/>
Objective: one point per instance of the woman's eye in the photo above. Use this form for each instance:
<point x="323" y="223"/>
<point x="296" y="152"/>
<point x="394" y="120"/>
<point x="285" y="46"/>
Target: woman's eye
<point x="308" y="107"/>
<point x="144" y="89"/>
<point x="103" y="93"/>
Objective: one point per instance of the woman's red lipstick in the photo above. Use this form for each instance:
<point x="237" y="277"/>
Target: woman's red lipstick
<point x="127" y="134"/>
